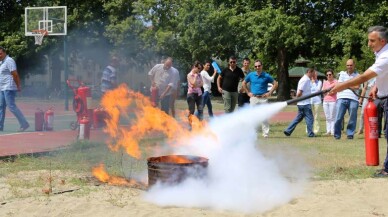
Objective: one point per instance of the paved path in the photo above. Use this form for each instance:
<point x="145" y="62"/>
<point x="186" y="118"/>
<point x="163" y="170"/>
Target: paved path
<point x="12" y="143"/>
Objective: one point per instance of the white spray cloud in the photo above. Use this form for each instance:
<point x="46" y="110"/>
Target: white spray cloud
<point x="239" y="177"/>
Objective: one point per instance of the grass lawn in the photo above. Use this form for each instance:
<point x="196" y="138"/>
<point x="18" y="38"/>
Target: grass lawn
<point x="329" y="158"/>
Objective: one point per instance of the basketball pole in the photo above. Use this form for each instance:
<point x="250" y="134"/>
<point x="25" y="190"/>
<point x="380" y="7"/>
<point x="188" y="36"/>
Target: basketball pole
<point x="65" y="62"/>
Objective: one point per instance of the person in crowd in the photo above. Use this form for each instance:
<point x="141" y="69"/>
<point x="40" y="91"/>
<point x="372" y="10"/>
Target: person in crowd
<point x="329" y="101"/>
<point x="304" y="106"/>
<point x="227" y="84"/>
<point x="366" y="87"/>
<point x="207" y="86"/>
<point x="377" y="41"/>
<point x="347" y="100"/>
<point x="174" y="90"/>
<point x="109" y="75"/>
<point x="316" y="101"/>
<point x="194" y="92"/>
<point x="259" y="93"/>
<point x="163" y="78"/>
<point x="243" y="97"/>
<point x="9" y="85"/>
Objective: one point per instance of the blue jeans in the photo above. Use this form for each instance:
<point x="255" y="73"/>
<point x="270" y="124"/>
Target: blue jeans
<point x="304" y="111"/>
<point x="7" y="98"/>
<point x="341" y="106"/>
<point x="386" y="134"/>
<point x="165" y="103"/>
<point x="207" y="101"/>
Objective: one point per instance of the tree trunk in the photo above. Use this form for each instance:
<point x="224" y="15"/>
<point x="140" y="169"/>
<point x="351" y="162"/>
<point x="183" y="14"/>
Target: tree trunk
<point x="282" y="74"/>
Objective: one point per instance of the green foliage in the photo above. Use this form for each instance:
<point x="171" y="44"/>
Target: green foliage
<point x="142" y="32"/>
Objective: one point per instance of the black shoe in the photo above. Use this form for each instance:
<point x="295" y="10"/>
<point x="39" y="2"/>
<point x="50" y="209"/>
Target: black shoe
<point x="350" y="137"/>
<point x="286" y="133"/>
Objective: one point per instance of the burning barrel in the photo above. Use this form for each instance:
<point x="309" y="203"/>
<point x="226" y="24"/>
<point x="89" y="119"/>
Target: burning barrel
<point x="173" y="169"/>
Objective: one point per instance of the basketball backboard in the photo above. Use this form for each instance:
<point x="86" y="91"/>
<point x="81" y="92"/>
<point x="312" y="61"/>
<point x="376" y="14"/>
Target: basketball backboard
<point x="51" y="19"/>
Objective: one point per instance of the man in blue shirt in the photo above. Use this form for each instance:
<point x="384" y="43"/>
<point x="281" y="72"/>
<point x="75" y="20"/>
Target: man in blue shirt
<point x="259" y="94"/>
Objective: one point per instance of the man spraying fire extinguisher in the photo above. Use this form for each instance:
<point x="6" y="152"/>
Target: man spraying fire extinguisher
<point x="377" y="41"/>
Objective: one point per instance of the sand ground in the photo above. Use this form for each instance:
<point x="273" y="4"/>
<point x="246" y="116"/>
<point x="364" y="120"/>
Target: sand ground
<point x="364" y="197"/>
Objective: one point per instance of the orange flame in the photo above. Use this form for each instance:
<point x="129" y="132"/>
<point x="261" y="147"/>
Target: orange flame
<point x="143" y="120"/>
<point x="122" y="102"/>
<point x="100" y="173"/>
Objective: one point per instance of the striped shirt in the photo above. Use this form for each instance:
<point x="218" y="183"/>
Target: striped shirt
<point x="7" y="66"/>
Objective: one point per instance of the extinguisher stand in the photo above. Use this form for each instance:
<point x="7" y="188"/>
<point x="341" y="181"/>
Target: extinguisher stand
<point x="371" y="134"/>
<point x="84" y="129"/>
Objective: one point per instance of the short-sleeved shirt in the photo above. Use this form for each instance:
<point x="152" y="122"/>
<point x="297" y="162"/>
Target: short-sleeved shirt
<point x="315" y="87"/>
<point x="192" y="89"/>
<point x="176" y="77"/>
<point x="108" y="78"/>
<point x="346" y="94"/>
<point x="163" y="78"/>
<point x="7" y="66"/>
<point x="304" y="86"/>
<point x="259" y="83"/>
<point x="329" y="97"/>
<point x="231" y="78"/>
<point x="207" y="81"/>
<point x="380" y="67"/>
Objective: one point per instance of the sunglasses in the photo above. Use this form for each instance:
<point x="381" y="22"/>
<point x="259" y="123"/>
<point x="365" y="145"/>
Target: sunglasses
<point x="257" y="66"/>
<point x="232" y="62"/>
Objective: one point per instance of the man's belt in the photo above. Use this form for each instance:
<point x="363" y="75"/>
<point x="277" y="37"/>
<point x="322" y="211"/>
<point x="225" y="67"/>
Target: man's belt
<point x="260" y="96"/>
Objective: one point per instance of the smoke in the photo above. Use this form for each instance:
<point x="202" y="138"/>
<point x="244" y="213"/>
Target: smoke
<point x="240" y="178"/>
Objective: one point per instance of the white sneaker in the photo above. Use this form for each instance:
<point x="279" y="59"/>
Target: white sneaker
<point x="265" y="136"/>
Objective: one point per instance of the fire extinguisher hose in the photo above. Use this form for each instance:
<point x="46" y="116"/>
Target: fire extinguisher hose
<point x="366" y="97"/>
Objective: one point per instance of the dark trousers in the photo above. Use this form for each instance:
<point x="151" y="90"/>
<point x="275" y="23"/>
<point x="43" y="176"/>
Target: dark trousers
<point x="165" y="103"/>
<point x="243" y="99"/>
<point x="192" y="100"/>
<point x="386" y="133"/>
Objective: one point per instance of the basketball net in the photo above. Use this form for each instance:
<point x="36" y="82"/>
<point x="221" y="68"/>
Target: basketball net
<point x="39" y="35"/>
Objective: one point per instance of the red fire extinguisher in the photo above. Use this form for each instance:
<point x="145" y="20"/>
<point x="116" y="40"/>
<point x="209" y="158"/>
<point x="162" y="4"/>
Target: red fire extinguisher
<point x="49" y="120"/>
<point x="371" y="134"/>
<point x="84" y="128"/>
<point x="39" y="120"/>
<point x="154" y="96"/>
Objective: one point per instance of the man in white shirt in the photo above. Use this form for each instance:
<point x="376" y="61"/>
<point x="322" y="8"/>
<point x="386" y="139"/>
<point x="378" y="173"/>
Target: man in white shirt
<point x="347" y="100"/>
<point x="9" y="85"/>
<point x="304" y="106"/>
<point x="163" y="77"/>
<point x="377" y="41"/>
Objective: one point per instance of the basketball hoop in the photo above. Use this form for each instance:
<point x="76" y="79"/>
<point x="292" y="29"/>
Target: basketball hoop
<point x="39" y="35"/>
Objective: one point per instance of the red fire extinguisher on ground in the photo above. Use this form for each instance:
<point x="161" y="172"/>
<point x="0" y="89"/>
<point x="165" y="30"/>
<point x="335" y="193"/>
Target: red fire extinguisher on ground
<point x="39" y="120"/>
<point x="49" y="120"/>
<point x="371" y="134"/>
<point x="154" y="96"/>
<point x="84" y="128"/>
